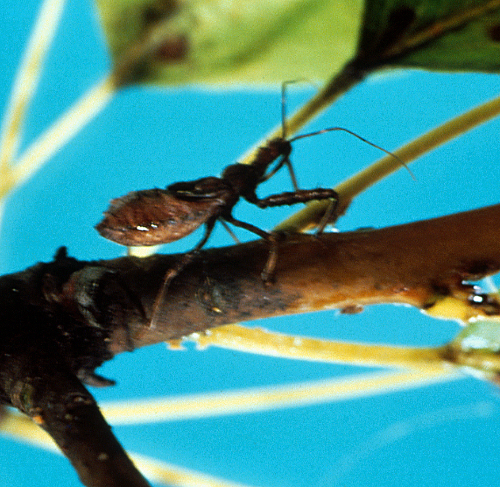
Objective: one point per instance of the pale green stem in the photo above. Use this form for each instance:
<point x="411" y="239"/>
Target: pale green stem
<point x="27" y="77"/>
<point x="81" y="113"/>
<point x="63" y="130"/>
<point x="355" y="185"/>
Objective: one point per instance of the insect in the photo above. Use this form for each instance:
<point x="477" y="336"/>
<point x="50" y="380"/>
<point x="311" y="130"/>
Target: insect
<point x="158" y="216"/>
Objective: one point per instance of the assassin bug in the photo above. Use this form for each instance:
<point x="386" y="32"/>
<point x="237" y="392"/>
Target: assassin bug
<point x="157" y="216"/>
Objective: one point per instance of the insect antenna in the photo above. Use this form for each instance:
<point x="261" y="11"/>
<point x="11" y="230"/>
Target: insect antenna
<point x="342" y="129"/>
<point x="286" y="159"/>
<point x="283" y="108"/>
<point x="283" y="101"/>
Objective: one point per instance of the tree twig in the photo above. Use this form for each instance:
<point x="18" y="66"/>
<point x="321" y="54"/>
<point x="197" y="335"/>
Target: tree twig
<point x="63" y="319"/>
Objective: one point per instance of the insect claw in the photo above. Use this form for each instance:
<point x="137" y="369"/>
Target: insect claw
<point x="267" y="280"/>
<point x="268" y="274"/>
<point x="328" y="217"/>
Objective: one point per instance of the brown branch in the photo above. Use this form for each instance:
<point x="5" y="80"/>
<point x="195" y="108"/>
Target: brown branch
<point x="35" y="377"/>
<point x="414" y="264"/>
<point x="61" y="320"/>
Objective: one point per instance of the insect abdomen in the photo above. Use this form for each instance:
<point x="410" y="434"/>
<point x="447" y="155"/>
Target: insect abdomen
<point x="152" y="217"/>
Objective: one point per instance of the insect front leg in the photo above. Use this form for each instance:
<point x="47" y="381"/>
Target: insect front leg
<point x="284" y="161"/>
<point x="294" y="197"/>
<point x="302" y="196"/>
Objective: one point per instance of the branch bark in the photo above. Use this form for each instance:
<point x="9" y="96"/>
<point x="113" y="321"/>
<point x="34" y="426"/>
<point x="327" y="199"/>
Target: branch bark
<point x="38" y="377"/>
<point x="60" y="320"/>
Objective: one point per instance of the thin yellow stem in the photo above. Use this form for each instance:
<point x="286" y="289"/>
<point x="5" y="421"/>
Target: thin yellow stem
<point x="271" y="397"/>
<point x="23" y="429"/>
<point x="172" y="475"/>
<point x="263" y="342"/>
<point x="61" y="131"/>
<point x="355" y="185"/>
<point x="418" y="147"/>
<point x="27" y="77"/>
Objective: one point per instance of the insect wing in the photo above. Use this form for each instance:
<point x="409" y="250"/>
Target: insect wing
<point x="153" y="217"/>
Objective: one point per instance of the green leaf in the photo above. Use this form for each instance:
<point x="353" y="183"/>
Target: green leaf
<point x="233" y="42"/>
<point x="270" y="41"/>
<point x="433" y="34"/>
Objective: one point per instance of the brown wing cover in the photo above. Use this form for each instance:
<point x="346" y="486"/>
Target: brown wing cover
<point x="153" y="216"/>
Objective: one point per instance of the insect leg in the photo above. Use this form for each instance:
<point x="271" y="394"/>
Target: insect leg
<point x="173" y="272"/>
<point x="292" y="173"/>
<point x="329" y="216"/>
<point x="304" y="196"/>
<point x="267" y="273"/>
<point x="285" y="161"/>
<point x="228" y="230"/>
<point x="247" y="226"/>
<point x="292" y="198"/>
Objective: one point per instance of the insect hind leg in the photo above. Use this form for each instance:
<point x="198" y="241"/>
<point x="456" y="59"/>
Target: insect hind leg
<point x="174" y="271"/>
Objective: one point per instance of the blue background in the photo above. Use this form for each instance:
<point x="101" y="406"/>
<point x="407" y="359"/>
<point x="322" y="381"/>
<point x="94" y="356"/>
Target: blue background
<point x="439" y="435"/>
